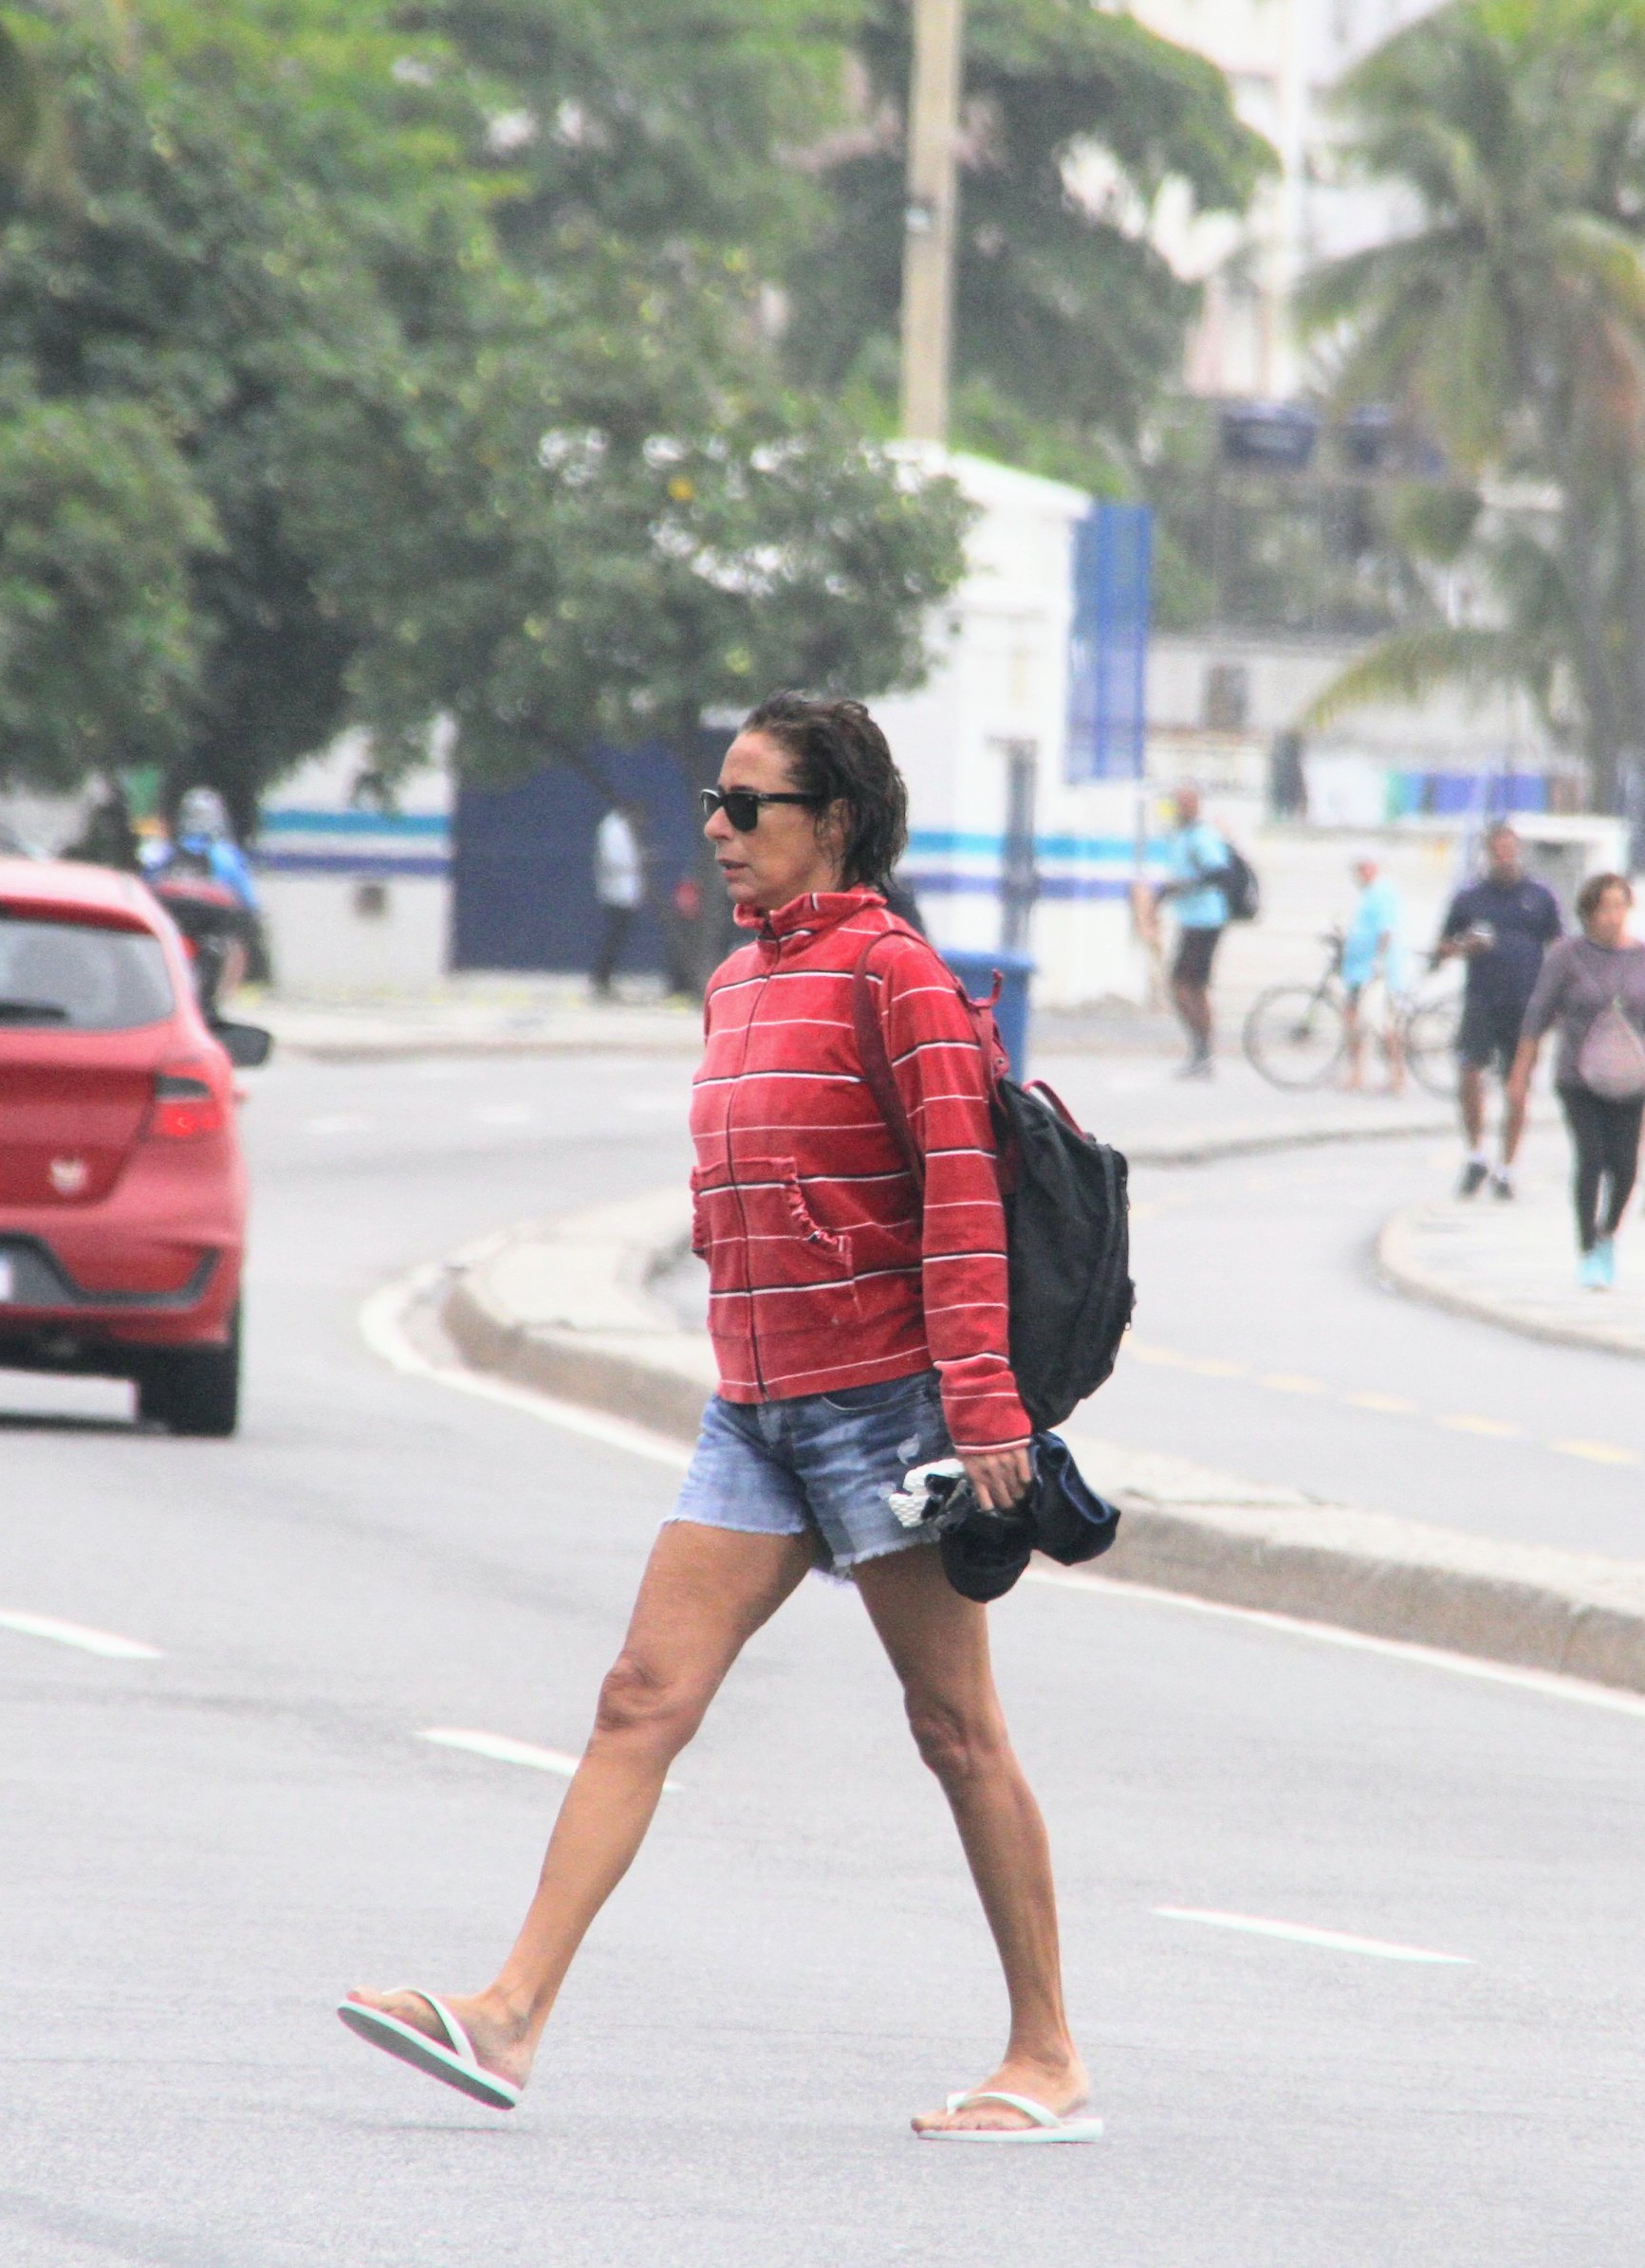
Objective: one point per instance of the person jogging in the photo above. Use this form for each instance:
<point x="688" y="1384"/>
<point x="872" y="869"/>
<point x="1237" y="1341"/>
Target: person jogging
<point x="1593" y="987"/>
<point x="857" y="1335"/>
<point x="1196" y="854"/>
<point x="1500" y="927"/>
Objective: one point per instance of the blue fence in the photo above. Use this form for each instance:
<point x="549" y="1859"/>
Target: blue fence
<point x="1108" y="650"/>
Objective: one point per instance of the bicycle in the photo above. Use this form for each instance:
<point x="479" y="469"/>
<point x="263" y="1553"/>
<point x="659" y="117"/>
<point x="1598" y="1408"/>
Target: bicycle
<point x="1296" y="1036"/>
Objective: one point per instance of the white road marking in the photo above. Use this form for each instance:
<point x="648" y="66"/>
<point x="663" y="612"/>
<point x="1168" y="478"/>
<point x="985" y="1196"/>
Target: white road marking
<point x="1291" y="1382"/>
<point x="501" y="1749"/>
<point x="1389" y="1405"/>
<point x="382" y="1325"/>
<point x="504" y="1114"/>
<point x="1546" y="1682"/>
<point x="107" y="1643"/>
<point x="1490" y="1428"/>
<point x="1297" y="1933"/>
<point x="339" y="1122"/>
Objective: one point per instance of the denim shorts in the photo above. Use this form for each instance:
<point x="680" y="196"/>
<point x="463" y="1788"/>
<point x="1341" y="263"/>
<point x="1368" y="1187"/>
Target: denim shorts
<point x="820" y="1464"/>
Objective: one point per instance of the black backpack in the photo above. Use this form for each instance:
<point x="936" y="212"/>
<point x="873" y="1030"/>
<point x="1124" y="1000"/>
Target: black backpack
<point x="1237" y="880"/>
<point x="1067" y="1234"/>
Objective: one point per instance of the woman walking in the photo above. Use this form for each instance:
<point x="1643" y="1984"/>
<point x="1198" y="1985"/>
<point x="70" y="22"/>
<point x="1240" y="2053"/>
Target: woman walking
<point x="856" y="1334"/>
<point x="1593" y="987"/>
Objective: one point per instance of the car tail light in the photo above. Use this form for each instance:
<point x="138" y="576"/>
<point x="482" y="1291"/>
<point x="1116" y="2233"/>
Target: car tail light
<point x="186" y="1107"/>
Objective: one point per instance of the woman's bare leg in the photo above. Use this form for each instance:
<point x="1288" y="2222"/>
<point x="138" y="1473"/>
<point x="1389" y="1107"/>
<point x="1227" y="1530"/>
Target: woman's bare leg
<point x="704" y="1593"/>
<point x="938" y="1644"/>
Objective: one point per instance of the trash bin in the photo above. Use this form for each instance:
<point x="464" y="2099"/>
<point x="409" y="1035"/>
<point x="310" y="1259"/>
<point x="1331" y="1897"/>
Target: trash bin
<point x="977" y="972"/>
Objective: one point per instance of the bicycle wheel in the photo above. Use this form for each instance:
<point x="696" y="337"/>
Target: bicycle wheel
<point x="1295" y="1035"/>
<point x="1430" y="1032"/>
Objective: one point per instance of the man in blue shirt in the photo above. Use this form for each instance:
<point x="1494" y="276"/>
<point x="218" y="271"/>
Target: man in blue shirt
<point x="1371" y="948"/>
<point x="1500" y="927"/>
<point x="1195" y="855"/>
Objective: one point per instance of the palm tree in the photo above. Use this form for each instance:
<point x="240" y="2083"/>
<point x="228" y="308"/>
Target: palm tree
<point x="1510" y="320"/>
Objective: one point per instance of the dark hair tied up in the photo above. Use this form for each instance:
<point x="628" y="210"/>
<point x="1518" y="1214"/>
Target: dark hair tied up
<point x="839" y="754"/>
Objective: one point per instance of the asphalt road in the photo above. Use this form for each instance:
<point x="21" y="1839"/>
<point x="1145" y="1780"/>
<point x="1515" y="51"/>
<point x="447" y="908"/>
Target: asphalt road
<point x="205" y="1847"/>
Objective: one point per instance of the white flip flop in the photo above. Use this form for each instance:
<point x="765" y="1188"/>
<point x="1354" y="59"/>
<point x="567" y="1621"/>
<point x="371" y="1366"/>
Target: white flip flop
<point x="457" y="2065"/>
<point x="1046" y="2125"/>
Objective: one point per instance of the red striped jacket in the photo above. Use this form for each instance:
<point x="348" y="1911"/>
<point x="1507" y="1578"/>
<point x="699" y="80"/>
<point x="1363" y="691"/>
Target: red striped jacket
<point x="825" y="1270"/>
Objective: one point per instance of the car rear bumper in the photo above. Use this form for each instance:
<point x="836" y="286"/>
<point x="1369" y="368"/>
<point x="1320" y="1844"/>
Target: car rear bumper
<point x="35" y="1280"/>
<point x="52" y="1322"/>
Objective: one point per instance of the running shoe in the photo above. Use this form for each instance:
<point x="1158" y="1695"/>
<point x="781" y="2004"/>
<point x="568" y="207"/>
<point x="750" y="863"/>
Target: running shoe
<point x="1502" y="1188"/>
<point x="1474" y="1176"/>
<point x="1605" y="1253"/>
<point x="1591" y="1272"/>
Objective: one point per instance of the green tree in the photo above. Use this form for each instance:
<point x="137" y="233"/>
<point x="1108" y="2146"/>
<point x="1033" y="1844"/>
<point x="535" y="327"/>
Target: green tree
<point x="100" y="646"/>
<point x="1065" y="316"/>
<point x="1510" y="319"/>
<point x="288" y="251"/>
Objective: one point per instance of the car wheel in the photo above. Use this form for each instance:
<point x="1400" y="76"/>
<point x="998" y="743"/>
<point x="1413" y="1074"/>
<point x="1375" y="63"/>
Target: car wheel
<point x="194" y="1389"/>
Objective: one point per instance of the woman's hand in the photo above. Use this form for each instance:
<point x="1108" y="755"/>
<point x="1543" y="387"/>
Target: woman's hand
<point x="1517" y="1086"/>
<point x="1001" y="1477"/>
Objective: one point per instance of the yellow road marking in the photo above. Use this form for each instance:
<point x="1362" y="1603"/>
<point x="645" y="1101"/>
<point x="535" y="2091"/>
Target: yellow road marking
<point x="1168" y="1358"/>
<point x="1597" y="1452"/>
<point x="1386" y="1405"/>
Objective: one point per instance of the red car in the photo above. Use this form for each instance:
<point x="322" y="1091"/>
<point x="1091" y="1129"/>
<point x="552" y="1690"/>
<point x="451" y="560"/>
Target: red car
<point x="122" y="1189"/>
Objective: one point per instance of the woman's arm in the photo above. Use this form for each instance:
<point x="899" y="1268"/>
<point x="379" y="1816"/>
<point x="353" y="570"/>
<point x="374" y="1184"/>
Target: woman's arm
<point x="1518" y="1084"/>
<point x="1540" y="1009"/>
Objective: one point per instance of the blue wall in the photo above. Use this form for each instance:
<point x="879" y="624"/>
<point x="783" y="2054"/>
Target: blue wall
<point x="523" y="863"/>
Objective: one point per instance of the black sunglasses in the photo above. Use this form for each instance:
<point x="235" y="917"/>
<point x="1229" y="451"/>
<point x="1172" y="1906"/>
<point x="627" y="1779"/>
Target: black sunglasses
<point x="741" y="806"/>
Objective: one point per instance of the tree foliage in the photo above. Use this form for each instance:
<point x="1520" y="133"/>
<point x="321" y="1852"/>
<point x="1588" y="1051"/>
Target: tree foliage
<point x="304" y="259"/>
<point x="1511" y="320"/>
<point x="100" y="646"/>
<point x="1063" y="308"/>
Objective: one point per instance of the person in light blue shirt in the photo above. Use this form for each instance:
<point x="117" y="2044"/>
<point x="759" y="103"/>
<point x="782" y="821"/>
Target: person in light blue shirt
<point x="1195" y="854"/>
<point x="1374" y="948"/>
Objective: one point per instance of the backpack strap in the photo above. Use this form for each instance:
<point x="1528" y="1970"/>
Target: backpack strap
<point x="875" y="1058"/>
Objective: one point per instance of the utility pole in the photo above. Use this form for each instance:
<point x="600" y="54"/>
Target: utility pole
<point x="928" y="245"/>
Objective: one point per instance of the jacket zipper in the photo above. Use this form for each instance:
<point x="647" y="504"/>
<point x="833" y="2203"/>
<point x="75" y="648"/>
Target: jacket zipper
<point x="731" y="1173"/>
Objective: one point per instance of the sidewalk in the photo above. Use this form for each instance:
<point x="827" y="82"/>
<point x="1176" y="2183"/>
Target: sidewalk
<point x="484" y="1015"/>
<point x="579" y="1308"/>
<point x="1515" y="1266"/>
<point x="1139" y="1103"/>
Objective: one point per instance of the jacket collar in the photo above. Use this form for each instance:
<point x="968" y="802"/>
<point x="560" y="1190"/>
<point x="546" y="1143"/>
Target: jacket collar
<point x="803" y="917"/>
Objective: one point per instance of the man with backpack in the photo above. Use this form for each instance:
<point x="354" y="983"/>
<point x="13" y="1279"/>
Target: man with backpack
<point x="1197" y="889"/>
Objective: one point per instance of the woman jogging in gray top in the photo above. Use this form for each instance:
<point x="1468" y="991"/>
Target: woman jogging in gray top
<point x="1593" y="987"/>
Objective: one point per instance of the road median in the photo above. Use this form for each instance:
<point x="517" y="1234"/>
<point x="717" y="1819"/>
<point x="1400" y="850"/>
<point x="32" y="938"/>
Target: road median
<point x="580" y="1308"/>
<point x="1513" y="1265"/>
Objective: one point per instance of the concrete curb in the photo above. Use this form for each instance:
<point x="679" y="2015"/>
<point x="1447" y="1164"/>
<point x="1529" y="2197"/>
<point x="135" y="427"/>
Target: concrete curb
<point x="1255" y="1141"/>
<point x="567" y="1307"/>
<point x="1411" y="1255"/>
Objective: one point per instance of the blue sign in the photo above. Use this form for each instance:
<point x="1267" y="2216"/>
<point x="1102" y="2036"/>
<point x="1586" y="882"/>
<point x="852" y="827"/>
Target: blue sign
<point x="1108" y="647"/>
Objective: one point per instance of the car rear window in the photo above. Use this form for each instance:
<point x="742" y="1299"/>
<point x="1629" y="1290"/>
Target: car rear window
<point x="67" y="976"/>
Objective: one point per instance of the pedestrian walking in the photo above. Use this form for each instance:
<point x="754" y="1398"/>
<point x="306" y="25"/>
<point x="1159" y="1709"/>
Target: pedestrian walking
<point x="1374" y="950"/>
<point x="1196" y="855"/>
<point x="618" y="886"/>
<point x="857" y="1335"/>
<point x="1593" y="988"/>
<point x="1500" y="927"/>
